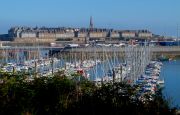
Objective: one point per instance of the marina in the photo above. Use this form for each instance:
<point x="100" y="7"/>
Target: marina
<point x="96" y="57"/>
<point x="134" y="67"/>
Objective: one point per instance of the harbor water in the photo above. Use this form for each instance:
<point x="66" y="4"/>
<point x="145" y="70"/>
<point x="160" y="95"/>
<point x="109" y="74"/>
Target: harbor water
<point x="171" y="74"/>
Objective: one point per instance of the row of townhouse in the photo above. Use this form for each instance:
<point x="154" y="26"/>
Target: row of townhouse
<point x="56" y="33"/>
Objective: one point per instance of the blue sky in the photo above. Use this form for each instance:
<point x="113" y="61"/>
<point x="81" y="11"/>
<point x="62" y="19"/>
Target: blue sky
<point x="160" y="16"/>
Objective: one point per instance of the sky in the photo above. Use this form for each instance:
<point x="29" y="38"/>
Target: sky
<point x="159" y="16"/>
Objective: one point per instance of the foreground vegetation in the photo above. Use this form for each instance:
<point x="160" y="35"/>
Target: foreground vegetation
<point x="59" y="95"/>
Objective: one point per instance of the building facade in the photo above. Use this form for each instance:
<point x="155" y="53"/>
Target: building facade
<point x="128" y="34"/>
<point x="75" y="34"/>
<point x="144" y="34"/>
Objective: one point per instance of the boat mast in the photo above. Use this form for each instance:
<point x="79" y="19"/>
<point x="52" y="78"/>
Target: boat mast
<point x="178" y="34"/>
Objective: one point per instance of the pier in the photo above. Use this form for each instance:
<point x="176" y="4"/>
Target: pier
<point x="55" y="51"/>
<point x="169" y="51"/>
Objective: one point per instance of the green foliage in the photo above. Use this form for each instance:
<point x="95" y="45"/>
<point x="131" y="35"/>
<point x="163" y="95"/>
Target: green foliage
<point x="59" y="95"/>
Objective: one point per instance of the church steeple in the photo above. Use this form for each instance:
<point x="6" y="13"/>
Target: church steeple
<point x="89" y="30"/>
<point x="91" y="23"/>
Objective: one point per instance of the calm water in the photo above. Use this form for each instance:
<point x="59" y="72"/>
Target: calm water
<point x="171" y="74"/>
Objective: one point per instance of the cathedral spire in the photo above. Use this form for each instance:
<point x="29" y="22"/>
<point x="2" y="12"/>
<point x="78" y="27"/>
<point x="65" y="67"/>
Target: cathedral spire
<point x="91" y="23"/>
